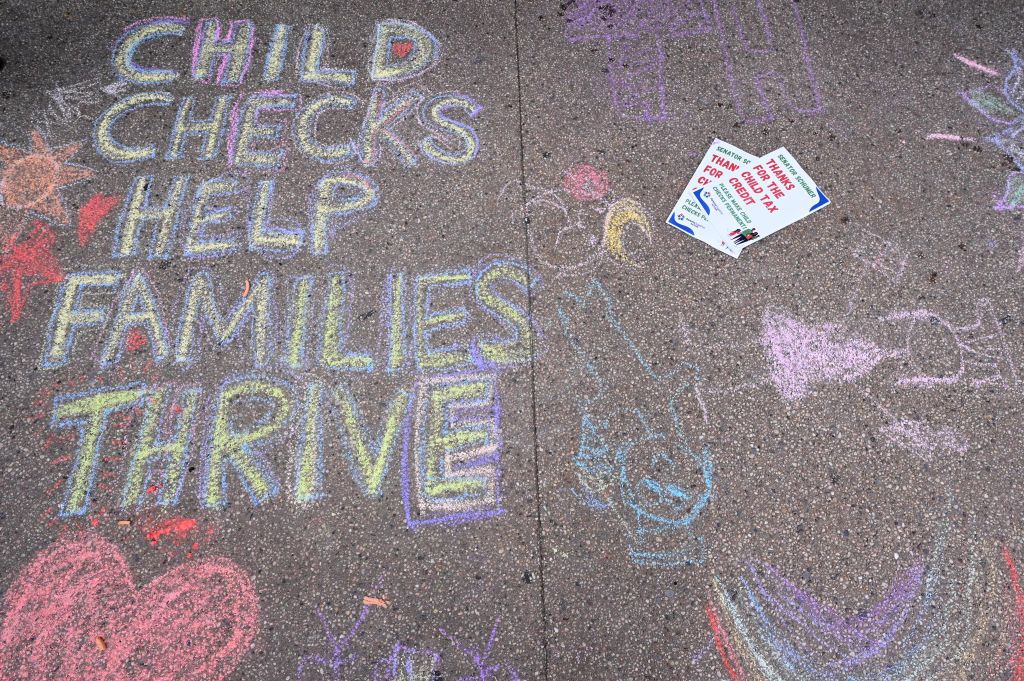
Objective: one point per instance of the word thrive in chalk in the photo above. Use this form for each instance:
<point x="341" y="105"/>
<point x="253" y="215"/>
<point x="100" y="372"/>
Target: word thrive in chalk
<point x="447" y="426"/>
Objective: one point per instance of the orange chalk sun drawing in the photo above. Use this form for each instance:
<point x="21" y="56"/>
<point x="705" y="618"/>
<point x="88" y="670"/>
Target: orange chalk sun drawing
<point x="31" y="180"/>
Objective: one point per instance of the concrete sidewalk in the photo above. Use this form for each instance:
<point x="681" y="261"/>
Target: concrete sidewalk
<point x="350" y="341"/>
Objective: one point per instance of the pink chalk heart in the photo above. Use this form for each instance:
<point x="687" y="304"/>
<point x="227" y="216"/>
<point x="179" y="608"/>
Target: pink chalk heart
<point x="74" y="612"/>
<point x="401" y="48"/>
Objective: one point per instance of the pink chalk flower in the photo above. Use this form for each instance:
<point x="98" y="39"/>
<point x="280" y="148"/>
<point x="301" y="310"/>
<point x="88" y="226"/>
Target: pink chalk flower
<point x="586" y="183"/>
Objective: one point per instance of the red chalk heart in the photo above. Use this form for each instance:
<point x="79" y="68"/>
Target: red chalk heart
<point x="401" y="48"/>
<point x="74" y="612"/>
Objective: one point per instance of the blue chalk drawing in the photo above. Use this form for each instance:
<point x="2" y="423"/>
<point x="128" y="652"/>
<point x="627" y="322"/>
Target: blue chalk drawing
<point x="634" y="463"/>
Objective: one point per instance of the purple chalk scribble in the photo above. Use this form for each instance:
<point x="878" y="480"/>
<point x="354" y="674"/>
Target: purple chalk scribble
<point x="1004" y="106"/>
<point x="403" y="662"/>
<point x="480" y="658"/>
<point x="755" y="63"/>
<point x="806" y="354"/>
<point x="984" y="358"/>
<point x="816" y="635"/>
<point x="923" y="439"/>
<point x="406" y="663"/>
<point x="636" y="32"/>
<point x="338" y="657"/>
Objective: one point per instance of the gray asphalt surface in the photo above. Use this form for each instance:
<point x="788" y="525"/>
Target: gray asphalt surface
<point x="411" y="380"/>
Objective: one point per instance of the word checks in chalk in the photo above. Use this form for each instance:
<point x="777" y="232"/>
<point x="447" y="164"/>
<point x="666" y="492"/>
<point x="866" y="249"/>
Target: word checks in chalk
<point x="255" y="120"/>
<point x="394" y="375"/>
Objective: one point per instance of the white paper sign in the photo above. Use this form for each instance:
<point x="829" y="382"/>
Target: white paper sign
<point x="691" y="213"/>
<point x="758" y="200"/>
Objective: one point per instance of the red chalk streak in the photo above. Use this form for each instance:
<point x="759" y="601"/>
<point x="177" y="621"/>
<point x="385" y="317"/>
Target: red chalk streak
<point x="401" y="49"/>
<point x="27" y="263"/>
<point x="988" y="70"/>
<point x="725" y="651"/>
<point x="90" y="215"/>
<point x="176" y="528"/>
<point x="1018" y="596"/>
<point x="136" y="341"/>
<point x="196" y="621"/>
<point x="948" y="138"/>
